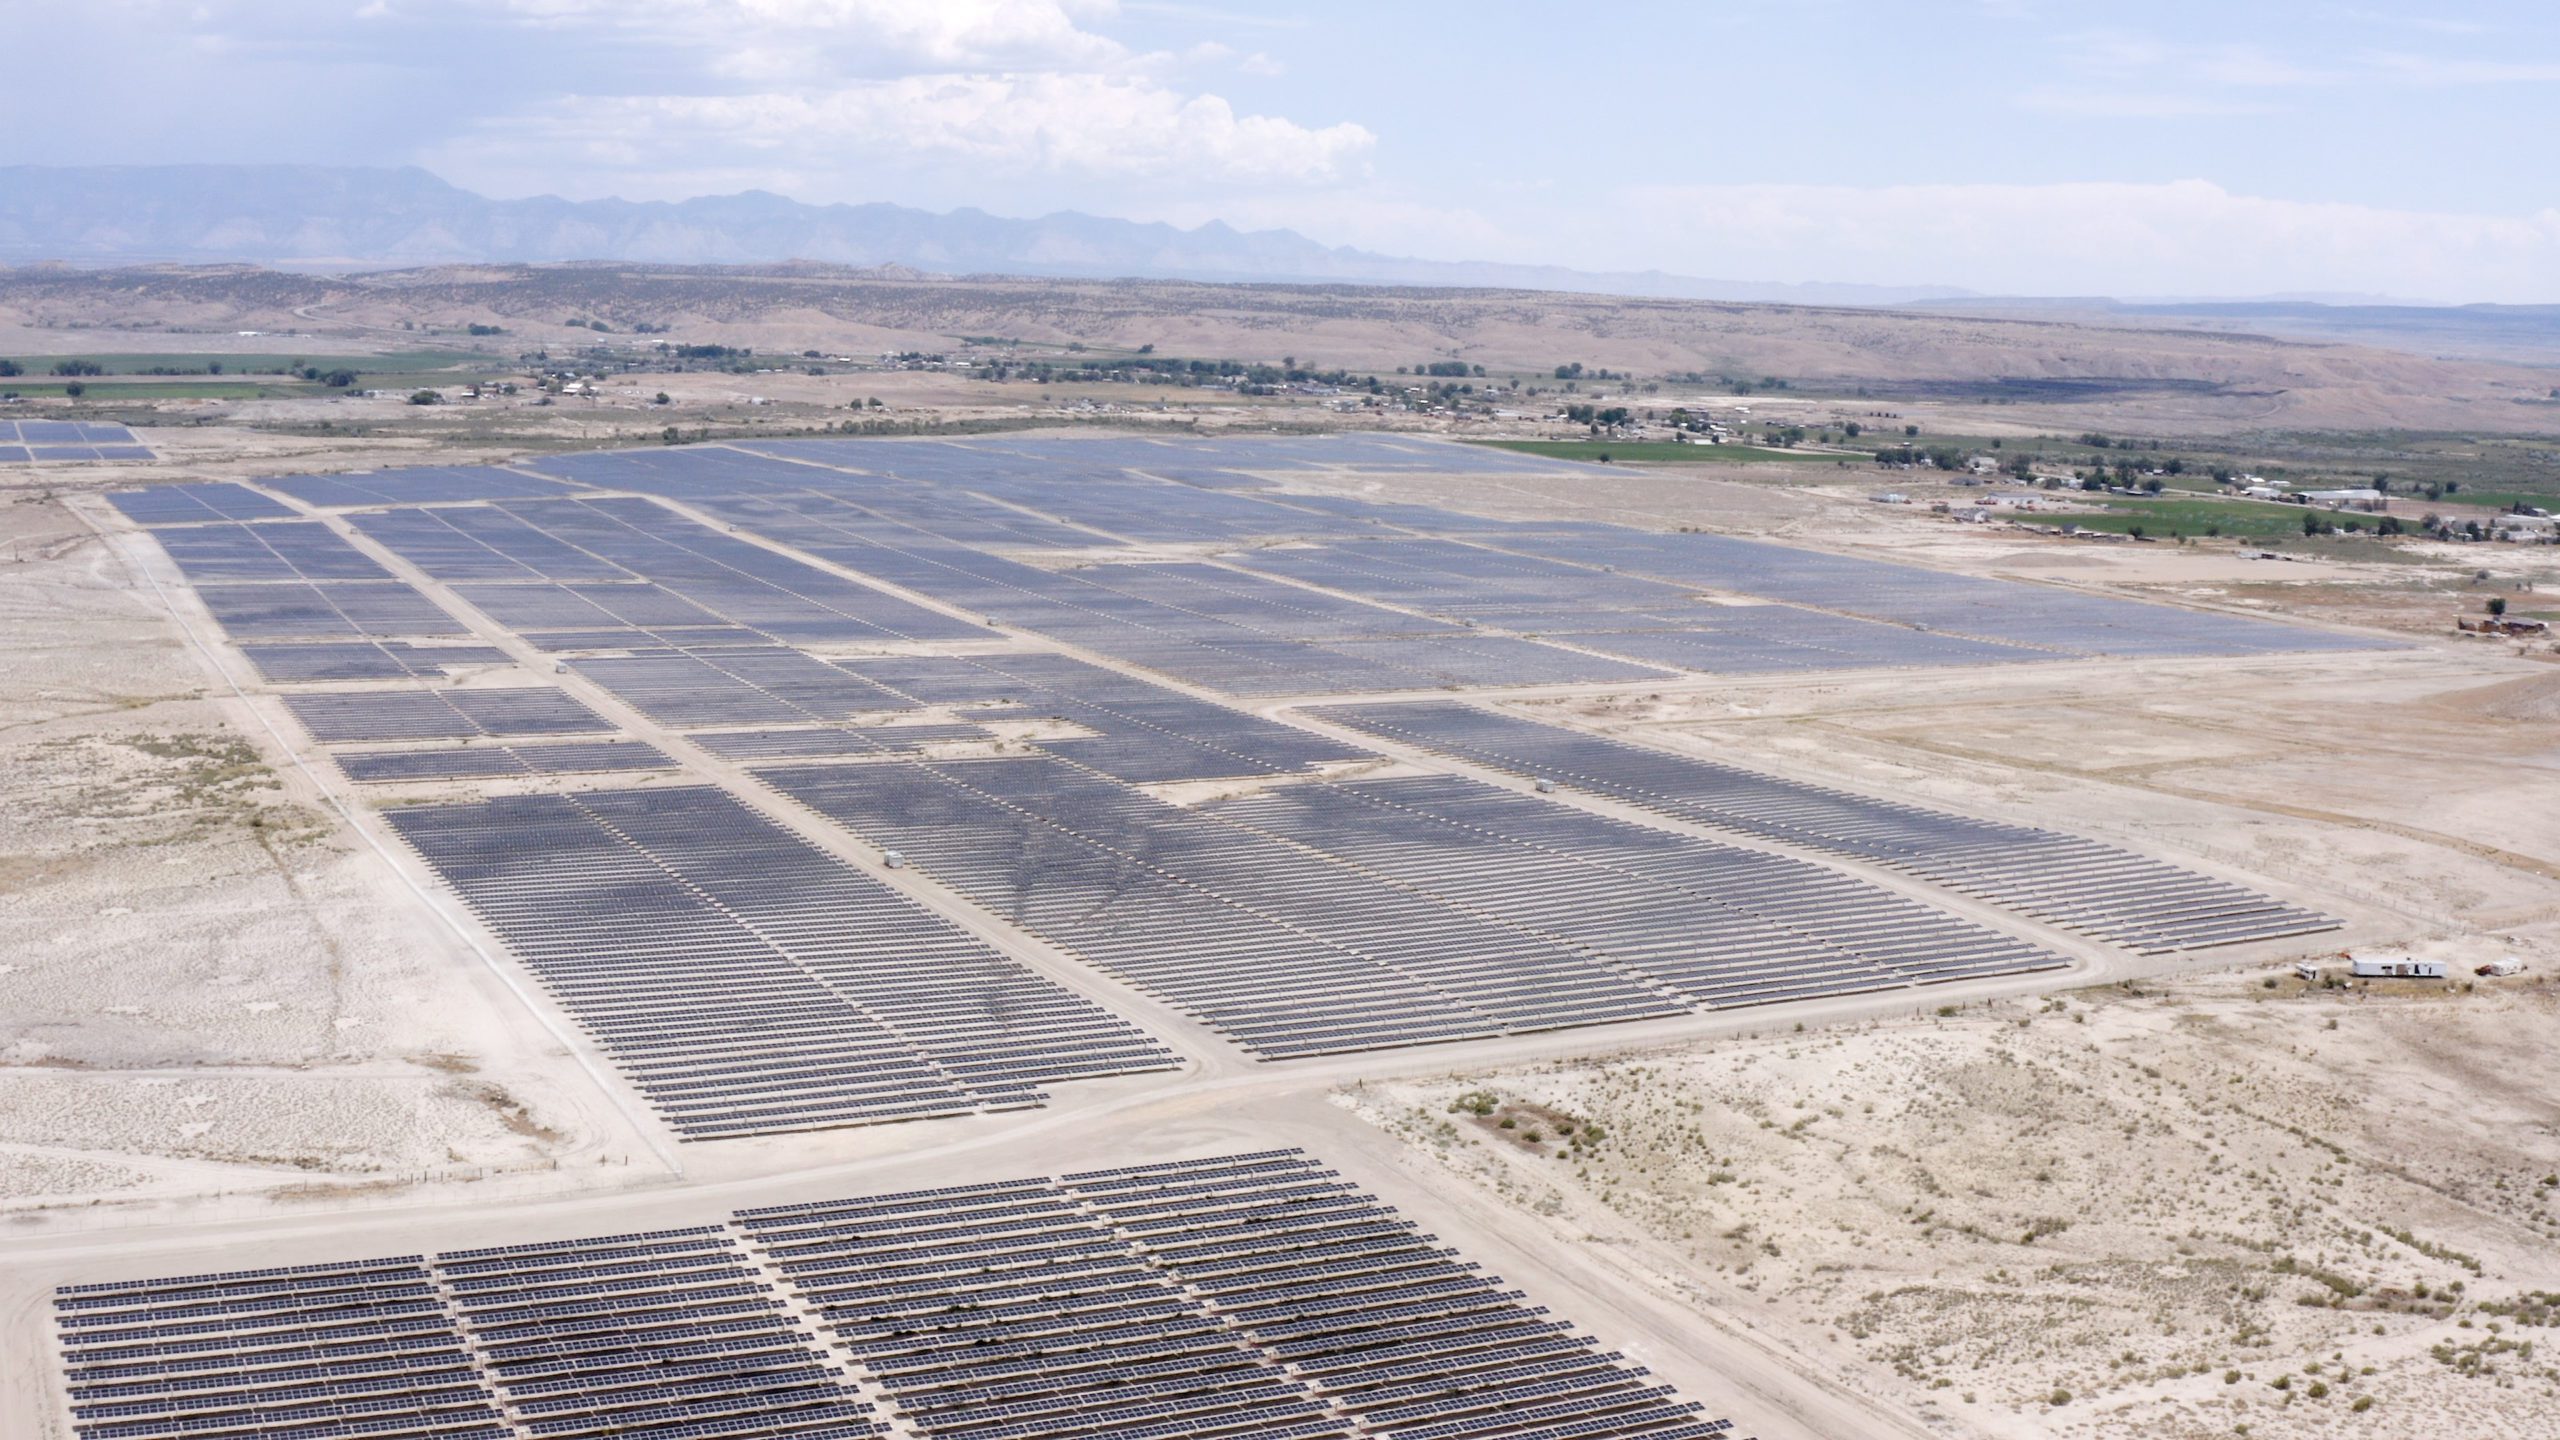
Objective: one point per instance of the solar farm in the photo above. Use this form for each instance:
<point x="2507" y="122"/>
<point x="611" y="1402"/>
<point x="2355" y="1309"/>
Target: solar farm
<point x="932" y="807"/>
<point x="945" y="653"/>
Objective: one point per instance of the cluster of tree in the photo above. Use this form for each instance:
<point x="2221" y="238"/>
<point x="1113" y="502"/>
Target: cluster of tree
<point x="1596" y="417"/>
<point x="2316" y="522"/>
<point x="583" y="323"/>
<point x="1944" y="457"/>
<point x="1449" y="369"/>
<point x="78" y="367"/>
<point x="476" y="328"/>
<point x="1575" y="371"/>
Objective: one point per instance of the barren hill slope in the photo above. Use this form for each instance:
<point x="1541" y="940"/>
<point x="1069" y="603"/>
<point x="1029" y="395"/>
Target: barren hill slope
<point x="2167" y="378"/>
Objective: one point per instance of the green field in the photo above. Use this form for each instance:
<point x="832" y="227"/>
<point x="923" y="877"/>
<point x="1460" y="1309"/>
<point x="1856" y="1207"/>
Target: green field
<point x="184" y="365"/>
<point x="2234" y="520"/>
<point x="1665" y="452"/>
<point x="107" y="392"/>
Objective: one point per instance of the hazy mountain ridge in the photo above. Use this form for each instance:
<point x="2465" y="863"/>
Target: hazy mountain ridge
<point x="2529" y="334"/>
<point x="354" y="217"/>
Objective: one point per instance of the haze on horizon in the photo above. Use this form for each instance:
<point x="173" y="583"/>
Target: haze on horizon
<point x="2003" y="146"/>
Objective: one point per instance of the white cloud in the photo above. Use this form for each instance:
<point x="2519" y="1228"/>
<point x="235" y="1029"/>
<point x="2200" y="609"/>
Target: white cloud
<point x="2124" y="73"/>
<point x="2121" y="104"/>
<point x="771" y="38"/>
<point x="2181" y="238"/>
<point x="2431" y="70"/>
<point x="1072" y="125"/>
<point x="862" y="99"/>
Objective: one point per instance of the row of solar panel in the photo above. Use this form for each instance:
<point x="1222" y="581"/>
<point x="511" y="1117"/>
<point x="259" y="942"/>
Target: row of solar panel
<point x="2114" y="894"/>
<point x="935" y="536"/>
<point x="1320" y="918"/>
<point x="1253" y="1297"/>
<point x="35" y="441"/>
<point x="748" y="983"/>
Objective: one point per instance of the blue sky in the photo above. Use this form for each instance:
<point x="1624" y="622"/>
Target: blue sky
<point x="2010" y="146"/>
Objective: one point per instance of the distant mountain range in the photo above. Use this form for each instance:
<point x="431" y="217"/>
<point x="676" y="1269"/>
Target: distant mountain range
<point x="345" y="217"/>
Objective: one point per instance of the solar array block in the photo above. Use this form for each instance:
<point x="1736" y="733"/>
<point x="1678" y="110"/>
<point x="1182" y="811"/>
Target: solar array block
<point x="663" y="1334"/>
<point x="1244" y="635"/>
<point x="463" y="543"/>
<point x="1288" y="951"/>
<point x="380" y="609"/>
<point x="1141" y="732"/>
<point x="422" y="485"/>
<point x="306" y="1353"/>
<point x="303" y="550"/>
<point x="501" y="762"/>
<point x="732" y="579"/>
<point x="2008" y="612"/>
<point x="1719" y="925"/>
<point x="365" y="660"/>
<point x="768" y="685"/>
<point x="748" y="983"/>
<point x="2113" y="894"/>
<point x="197" y="504"/>
<point x="338" y="716"/>
<point x="822" y="742"/>
<point x="1248" y="1297"/>
<point x="22" y="441"/>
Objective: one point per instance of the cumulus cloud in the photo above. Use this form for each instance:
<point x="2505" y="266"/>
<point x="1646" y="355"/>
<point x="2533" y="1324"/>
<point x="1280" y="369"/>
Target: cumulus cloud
<point x="802" y="95"/>
<point x="1066" y="124"/>
<point x="758" y="35"/>
<point x="2183" y="237"/>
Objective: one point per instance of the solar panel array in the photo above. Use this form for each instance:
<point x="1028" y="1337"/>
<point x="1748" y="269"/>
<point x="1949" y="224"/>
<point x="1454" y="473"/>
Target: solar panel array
<point x="1247" y="635"/>
<point x="1255" y="1297"/>
<point x="771" y="685"/>
<point x="309" y="611"/>
<point x="266" y="579"/>
<point x="2080" y="884"/>
<point x="1141" y="732"/>
<point x="365" y="660"/>
<point x="814" y="743"/>
<point x="1282" y="951"/>
<point x="671" y="1333"/>
<point x="1316" y="916"/>
<point x="307" y="1352"/>
<point x="1401" y="584"/>
<point x="266" y="550"/>
<point x="421" y="485"/>
<point x="197" y="504"/>
<point x="337" y="716"/>
<point x="1320" y="918"/>
<point x="29" y="441"/>
<point x="2004" y="611"/>
<point x="1599" y="609"/>
<point x="500" y="762"/>
<point x="731" y="579"/>
<point x="748" y="983"/>
<point x="1713" y="923"/>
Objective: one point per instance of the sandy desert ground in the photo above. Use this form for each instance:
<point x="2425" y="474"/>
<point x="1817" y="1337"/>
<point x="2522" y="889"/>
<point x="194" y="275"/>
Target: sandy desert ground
<point x="2158" y="1211"/>
<point x="211" y="986"/>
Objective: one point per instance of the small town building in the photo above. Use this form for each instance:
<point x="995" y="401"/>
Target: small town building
<point x="2402" y="969"/>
